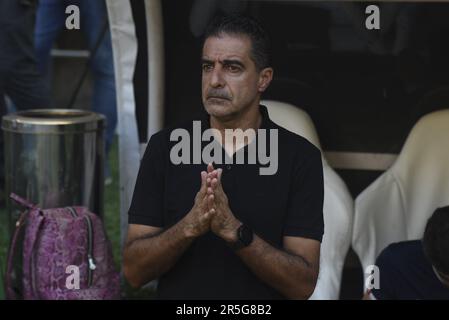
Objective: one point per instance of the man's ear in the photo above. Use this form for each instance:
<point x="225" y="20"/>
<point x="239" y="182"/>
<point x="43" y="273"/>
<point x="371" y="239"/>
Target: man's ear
<point x="265" y="77"/>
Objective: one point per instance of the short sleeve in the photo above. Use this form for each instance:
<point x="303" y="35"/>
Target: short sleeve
<point x="305" y="208"/>
<point x="147" y="201"/>
<point x="388" y="276"/>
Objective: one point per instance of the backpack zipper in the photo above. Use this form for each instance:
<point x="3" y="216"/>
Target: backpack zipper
<point x="90" y="258"/>
<point x="72" y="212"/>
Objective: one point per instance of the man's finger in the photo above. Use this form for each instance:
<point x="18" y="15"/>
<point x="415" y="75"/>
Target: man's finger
<point x="213" y="173"/>
<point x="210" y="201"/>
<point x="203" y="183"/>
<point x="219" y="193"/>
<point x="216" y="185"/>
<point x="210" y="189"/>
<point x="203" y="205"/>
<point x="210" y="168"/>
<point x="209" y="214"/>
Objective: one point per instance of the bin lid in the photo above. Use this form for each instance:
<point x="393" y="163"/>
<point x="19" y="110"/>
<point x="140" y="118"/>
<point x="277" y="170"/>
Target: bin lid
<point x="53" y="121"/>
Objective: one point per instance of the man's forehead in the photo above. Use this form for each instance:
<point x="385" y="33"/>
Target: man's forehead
<point x="227" y="47"/>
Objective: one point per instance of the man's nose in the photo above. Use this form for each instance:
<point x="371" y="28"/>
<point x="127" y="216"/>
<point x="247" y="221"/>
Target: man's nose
<point x="217" y="80"/>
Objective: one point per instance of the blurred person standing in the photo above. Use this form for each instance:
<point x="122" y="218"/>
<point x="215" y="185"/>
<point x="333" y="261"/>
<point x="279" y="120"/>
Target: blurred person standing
<point x="50" y="21"/>
<point x="20" y="79"/>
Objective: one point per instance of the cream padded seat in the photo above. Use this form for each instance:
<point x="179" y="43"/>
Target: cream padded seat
<point x="338" y="203"/>
<point x="396" y="206"/>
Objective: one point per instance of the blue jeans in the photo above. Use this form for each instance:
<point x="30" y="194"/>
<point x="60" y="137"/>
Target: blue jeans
<point x="19" y="75"/>
<point x="50" y="20"/>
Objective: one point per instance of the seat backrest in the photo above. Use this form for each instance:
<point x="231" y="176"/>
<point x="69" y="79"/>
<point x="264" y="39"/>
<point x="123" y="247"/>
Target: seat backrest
<point x="337" y="207"/>
<point x="396" y="206"/>
<point x="293" y="119"/>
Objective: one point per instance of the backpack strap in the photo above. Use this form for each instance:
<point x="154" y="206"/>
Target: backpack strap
<point x="28" y="263"/>
<point x="10" y="294"/>
<point x="23" y="202"/>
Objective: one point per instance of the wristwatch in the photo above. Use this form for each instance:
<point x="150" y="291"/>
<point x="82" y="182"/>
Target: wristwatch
<point x="245" y="236"/>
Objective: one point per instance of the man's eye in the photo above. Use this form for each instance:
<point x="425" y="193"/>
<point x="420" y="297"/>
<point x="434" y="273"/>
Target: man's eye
<point x="206" y="67"/>
<point x="233" y="68"/>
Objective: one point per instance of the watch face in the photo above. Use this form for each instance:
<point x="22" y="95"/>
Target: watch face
<point x="246" y="235"/>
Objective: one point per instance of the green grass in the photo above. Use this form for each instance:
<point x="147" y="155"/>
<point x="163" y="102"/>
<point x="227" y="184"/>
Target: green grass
<point x="112" y="223"/>
<point x="112" y="226"/>
<point x="112" y="204"/>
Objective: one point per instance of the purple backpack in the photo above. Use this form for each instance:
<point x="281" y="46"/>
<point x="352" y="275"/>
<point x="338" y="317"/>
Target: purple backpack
<point x="65" y="255"/>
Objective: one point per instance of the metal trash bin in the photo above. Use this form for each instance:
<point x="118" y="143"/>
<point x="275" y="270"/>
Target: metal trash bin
<point x="55" y="158"/>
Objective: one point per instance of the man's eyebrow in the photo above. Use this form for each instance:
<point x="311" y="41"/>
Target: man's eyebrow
<point x="203" y="60"/>
<point x="225" y="62"/>
<point x="232" y="61"/>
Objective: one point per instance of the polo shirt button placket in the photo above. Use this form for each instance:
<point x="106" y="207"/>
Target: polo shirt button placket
<point x="228" y="167"/>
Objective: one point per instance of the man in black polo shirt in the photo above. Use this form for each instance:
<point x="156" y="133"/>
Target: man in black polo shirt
<point x="228" y="230"/>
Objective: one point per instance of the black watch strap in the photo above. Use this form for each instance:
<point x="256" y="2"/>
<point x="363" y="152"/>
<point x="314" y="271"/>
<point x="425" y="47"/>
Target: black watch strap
<point x="245" y="236"/>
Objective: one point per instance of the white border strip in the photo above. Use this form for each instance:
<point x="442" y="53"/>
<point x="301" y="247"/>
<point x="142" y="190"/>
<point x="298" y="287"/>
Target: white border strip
<point x="156" y="67"/>
<point x="124" y="46"/>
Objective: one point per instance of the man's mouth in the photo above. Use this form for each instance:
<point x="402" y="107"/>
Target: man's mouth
<point x="220" y="98"/>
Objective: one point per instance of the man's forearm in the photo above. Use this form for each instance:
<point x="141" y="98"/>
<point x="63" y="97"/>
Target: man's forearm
<point x="148" y="257"/>
<point x="290" y="274"/>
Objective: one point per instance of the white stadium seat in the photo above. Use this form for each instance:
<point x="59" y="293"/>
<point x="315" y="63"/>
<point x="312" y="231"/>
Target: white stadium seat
<point x="396" y="206"/>
<point x="338" y="203"/>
